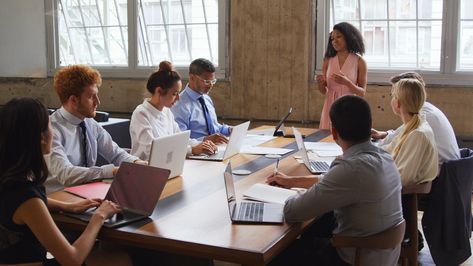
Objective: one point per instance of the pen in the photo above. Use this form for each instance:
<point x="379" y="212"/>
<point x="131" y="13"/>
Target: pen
<point x="277" y="166"/>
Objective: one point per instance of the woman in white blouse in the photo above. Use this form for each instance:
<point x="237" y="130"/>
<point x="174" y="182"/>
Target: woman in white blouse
<point x="153" y="118"/>
<point x="413" y="150"/>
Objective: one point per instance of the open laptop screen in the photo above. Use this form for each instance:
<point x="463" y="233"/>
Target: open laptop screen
<point x="282" y="122"/>
<point x="230" y="189"/>
<point x="138" y="187"/>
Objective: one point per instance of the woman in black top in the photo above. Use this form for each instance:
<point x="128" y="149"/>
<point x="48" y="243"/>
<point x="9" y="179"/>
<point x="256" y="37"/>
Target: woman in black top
<point x="27" y="229"/>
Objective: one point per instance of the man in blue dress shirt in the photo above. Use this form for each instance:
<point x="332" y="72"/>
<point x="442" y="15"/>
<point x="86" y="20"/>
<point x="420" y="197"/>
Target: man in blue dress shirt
<point x="77" y="137"/>
<point x="195" y="110"/>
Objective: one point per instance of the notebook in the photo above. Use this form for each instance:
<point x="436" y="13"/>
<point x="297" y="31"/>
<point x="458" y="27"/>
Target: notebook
<point x="250" y="212"/>
<point x="136" y="188"/>
<point x="96" y="190"/>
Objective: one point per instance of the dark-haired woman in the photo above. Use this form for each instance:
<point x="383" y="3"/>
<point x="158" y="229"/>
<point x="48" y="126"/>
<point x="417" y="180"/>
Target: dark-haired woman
<point x="153" y="118"/>
<point x="27" y="229"/>
<point x="344" y="71"/>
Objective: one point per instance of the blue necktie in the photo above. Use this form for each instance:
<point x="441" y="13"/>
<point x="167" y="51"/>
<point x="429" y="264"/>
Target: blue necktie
<point x="84" y="141"/>
<point x="208" y="120"/>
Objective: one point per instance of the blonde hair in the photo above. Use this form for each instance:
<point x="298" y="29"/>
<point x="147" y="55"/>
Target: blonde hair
<point x="411" y="95"/>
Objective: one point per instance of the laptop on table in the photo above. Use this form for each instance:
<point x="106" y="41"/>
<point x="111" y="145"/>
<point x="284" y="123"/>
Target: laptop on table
<point x="315" y="167"/>
<point x="248" y="212"/>
<point x="233" y="146"/>
<point x="137" y="189"/>
<point x="169" y="152"/>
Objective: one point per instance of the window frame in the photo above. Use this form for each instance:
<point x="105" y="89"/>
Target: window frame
<point x="448" y="73"/>
<point x="133" y="70"/>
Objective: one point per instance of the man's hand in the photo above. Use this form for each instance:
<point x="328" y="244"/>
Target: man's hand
<point x="375" y="134"/>
<point x="141" y="162"/>
<point x="206" y="146"/>
<point x="280" y="179"/>
<point x="217" y="138"/>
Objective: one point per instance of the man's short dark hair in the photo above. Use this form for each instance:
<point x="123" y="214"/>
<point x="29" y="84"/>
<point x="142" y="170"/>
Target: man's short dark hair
<point x="351" y="117"/>
<point x="201" y="65"/>
<point x="407" y="75"/>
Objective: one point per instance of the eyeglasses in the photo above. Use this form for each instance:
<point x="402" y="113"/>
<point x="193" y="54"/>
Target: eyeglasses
<point x="207" y="81"/>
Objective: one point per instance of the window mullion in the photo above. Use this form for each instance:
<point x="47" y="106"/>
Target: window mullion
<point x="105" y="41"/>
<point x="417" y="34"/>
<point x="132" y="34"/>
<point x="85" y="32"/>
<point x="120" y="25"/>
<point x="166" y="30"/>
<point x="388" y="30"/>
<point x="186" y="31"/>
<point x="207" y="30"/>
<point x="66" y="23"/>
<point x="451" y="46"/>
<point x="146" y="31"/>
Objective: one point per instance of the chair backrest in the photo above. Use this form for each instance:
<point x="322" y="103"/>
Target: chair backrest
<point x="386" y="239"/>
<point x="422" y="188"/>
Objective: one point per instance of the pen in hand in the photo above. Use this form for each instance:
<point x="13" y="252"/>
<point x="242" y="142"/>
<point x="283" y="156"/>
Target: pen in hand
<point x="276" y="170"/>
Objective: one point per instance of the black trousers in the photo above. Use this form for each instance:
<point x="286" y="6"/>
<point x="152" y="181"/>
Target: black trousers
<point x="313" y="247"/>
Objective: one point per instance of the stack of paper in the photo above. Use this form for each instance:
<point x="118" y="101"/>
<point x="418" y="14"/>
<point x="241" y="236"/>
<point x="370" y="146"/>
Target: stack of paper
<point x="267" y="193"/>
<point x="324" y="149"/>
<point x="263" y="150"/>
<point x="255" y="140"/>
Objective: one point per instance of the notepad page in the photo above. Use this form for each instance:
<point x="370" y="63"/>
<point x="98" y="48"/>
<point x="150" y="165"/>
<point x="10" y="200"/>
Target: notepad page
<point x="267" y="193"/>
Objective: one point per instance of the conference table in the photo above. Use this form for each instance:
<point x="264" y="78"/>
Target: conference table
<point x="192" y="217"/>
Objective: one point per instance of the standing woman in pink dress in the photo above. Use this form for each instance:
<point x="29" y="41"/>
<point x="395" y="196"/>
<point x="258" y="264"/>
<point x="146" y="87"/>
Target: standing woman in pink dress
<point x="344" y="71"/>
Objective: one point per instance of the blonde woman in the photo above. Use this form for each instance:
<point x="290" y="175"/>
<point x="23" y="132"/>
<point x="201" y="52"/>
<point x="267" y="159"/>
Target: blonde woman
<point x="413" y="150"/>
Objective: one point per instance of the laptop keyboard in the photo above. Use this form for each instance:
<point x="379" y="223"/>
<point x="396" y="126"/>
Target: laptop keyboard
<point x="319" y="166"/>
<point x="251" y="211"/>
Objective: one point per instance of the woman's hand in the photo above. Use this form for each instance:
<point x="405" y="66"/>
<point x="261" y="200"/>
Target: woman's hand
<point x="280" y="179"/>
<point x="107" y="209"/>
<point x="206" y="146"/>
<point x="341" y="79"/>
<point x="82" y="205"/>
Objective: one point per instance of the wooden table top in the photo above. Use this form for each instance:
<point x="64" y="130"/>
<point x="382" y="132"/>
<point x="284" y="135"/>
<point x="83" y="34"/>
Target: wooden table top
<point x="192" y="216"/>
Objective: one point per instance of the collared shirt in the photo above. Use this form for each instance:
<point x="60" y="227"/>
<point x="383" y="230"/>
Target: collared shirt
<point x="444" y="135"/>
<point x="417" y="160"/>
<point x="189" y="115"/>
<point x="66" y="158"/>
<point x="363" y="188"/>
<point x="148" y="123"/>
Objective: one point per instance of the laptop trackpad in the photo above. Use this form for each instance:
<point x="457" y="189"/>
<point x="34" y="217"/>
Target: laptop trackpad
<point x="273" y="213"/>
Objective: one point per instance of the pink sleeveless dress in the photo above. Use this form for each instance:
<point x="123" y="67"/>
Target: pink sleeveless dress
<point x="335" y="90"/>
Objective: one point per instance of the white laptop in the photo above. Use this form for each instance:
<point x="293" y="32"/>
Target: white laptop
<point x="169" y="152"/>
<point x="249" y="211"/>
<point x="233" y="146"/>
<point x="315" y="167"/>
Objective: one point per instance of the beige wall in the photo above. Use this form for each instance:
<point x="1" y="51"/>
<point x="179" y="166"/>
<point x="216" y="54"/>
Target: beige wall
<point x="270" y="65"/>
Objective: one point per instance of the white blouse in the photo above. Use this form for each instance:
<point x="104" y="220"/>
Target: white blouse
<point x="417" y="159"/>
<point x="148" y="123"/>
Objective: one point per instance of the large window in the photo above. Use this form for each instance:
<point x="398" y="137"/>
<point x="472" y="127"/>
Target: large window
<point x="128" y="37"/>
<point x="434" y="37"/>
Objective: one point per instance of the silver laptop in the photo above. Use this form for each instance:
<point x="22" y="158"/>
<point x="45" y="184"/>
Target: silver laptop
<point x="169" y="152"/>
<point x="315" y="167"/>
<point x="249" y="211"/>
<point x="233" y="146"/>
<point x="137" y="189"/>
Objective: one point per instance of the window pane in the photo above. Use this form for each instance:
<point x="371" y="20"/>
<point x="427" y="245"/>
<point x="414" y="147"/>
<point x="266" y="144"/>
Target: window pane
<point x="373" y="9"/>
<point x="375" y="37"/>
<point x="403" y="44"/>
<point x="345" y="10"/>
<point x="466" y="8"/>
<point x="93" y="32"/>
<point x="466" y="46"/>
<point x="402" y="9"/>
<point x="430" y="9"/>
<point x="188" y="30"/>
<point x="430" y="39"/>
